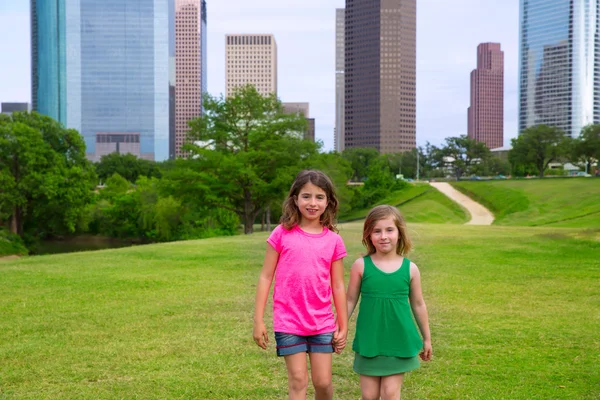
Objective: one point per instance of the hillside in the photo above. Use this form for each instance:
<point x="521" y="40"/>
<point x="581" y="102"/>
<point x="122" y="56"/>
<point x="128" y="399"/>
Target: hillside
<point x="557" y="202"/>
<point x="419" y="203"/>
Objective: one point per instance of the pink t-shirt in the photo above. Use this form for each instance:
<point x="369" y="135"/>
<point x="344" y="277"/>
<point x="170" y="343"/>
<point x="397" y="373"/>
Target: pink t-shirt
<point x="302" y="293"/>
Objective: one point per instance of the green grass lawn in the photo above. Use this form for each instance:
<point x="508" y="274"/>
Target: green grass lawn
<point x="515" y="314"/>
<point x="419" y="202"/>
<point x="557" y="202"/>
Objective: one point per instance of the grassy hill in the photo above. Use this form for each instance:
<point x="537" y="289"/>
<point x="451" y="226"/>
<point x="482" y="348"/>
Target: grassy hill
<point x="569" y="202"/>
<point x="419" y="203"/>
<point x="514" y="314"/>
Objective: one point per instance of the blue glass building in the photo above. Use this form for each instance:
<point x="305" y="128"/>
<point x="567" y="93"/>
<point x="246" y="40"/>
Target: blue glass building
<point x="102" y="67"/>
<point x="559" y="64"/>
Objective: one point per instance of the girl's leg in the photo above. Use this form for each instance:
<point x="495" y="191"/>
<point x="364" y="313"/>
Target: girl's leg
<point x="369" y="387"/>
<point x="297" y="375"/>
<point x="320" y="369"/>
<point x="390" y="387"/>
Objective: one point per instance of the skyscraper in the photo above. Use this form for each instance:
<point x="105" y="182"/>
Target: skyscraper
<point x="380" y="74"/>
<point x="338" y="139"/>
<point x="558" y="64"/>
<point x="486" y="113"/>
<point x="251" y="59"/>
<point x="190" y="66"/>
<point x="102" y="67"/>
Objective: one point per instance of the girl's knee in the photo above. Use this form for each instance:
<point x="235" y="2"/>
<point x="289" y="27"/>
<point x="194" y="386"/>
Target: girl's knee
<point x="298" y="381"/>
<point x="390" y="392"/>
<point x="374" y="395"/>
<point x="323" y="386"/>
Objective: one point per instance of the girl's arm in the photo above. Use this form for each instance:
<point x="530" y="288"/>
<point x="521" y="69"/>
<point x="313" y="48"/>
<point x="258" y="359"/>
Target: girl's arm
<point x="262" y="293"/>
<point x="339" y="299"/>
<point x="356" y="273"/>
<point x="419" y="310"/>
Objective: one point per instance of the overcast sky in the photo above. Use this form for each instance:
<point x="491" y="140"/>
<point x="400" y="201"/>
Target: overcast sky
<point x="447" y="37"/>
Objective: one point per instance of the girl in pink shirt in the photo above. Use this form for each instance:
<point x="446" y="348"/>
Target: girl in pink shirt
<point x="304" y="254"/>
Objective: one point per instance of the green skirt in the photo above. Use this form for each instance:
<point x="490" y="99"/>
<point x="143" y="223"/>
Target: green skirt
<point x="384" y="365"/>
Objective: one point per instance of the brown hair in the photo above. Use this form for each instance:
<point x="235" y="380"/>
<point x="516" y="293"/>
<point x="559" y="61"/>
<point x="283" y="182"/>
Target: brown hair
<point x="291" y="215"/>
<point x="378" y="213"/>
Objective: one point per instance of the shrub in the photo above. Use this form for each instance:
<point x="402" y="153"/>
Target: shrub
<point x="11" y="244"/>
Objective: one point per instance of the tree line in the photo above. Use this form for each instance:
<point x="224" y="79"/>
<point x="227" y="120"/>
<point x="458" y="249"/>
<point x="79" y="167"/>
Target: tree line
<point x="241" y="157"/>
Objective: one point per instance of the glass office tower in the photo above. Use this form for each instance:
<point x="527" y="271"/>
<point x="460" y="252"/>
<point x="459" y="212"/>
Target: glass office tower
<point x="559" y="64"/>
<point x="102" y="67"/>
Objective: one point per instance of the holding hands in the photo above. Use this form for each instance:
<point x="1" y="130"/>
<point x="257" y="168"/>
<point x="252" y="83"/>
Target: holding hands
<point x="339" y="339"/>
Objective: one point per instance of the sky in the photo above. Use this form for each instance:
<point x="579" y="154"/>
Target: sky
<point x="447" y="37"/>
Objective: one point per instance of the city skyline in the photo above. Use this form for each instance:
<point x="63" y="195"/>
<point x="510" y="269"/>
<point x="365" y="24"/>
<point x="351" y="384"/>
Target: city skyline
<point x="305" y="35"/>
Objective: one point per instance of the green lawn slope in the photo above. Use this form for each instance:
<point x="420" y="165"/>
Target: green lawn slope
<point x="419" y="202"/>
<point x="558" y="202"/>
<point x="514" y="314"/>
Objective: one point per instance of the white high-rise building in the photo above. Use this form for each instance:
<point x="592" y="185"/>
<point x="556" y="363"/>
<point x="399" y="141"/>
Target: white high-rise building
<point x="251" y="59"/>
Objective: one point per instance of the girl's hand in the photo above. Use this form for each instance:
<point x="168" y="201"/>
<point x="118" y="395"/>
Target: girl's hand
<point x="425" y="354"/>
<point x="339" y="340"/>
<point x="260" y="334"/>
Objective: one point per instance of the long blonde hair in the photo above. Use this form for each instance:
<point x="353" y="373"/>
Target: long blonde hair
<point x="291" y="214"/>
<point x="378" y="213"/>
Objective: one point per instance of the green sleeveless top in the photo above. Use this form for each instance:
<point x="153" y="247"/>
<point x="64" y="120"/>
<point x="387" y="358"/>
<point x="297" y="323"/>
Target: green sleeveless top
<point x="385" y="325"/>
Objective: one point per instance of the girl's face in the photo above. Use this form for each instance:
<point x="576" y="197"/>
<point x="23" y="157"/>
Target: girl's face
<point x="311" y="201"/>
<point x="385" y="236"/>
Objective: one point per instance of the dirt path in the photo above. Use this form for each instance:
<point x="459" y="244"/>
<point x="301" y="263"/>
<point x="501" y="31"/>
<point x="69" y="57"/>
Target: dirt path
<point x="479" y="214"/>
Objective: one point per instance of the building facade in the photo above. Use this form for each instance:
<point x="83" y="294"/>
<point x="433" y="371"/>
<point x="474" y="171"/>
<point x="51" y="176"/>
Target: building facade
<point x="486" y="113"/>
<point x="190" y="67"/>
<point x="559" y="73"/>
<point x="102" y="67"/>
<point x="9" y="108"/>
<point x="338" y="137"/>
<point x="304" y="110"/>
<point x="251" y="59"/>
<point x="380" y="75"/>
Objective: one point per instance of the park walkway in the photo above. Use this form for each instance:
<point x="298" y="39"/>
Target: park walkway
<point x="479" y="214"/>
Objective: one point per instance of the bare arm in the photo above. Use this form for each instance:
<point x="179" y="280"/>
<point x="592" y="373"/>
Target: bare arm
<point x="262" y="293"/>
<point x="419" y="309"/>
<point x="356" y="273"/>
<point x="339" y="299"/>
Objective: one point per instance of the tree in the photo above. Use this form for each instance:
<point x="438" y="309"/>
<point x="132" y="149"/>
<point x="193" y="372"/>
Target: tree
<point x="126" y="165"/>
<point x="539" y="146"/>
<point x="463" y="153"/>
<point x="492" y="166"/>
<point x="45" y="179"/>
<point x="246" y="151"/>
<point x="360" y="158"/>
<point x="587" y="146"/>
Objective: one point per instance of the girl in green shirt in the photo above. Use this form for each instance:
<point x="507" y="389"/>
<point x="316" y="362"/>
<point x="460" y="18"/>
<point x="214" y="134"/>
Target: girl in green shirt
<point x="387" y="343"/>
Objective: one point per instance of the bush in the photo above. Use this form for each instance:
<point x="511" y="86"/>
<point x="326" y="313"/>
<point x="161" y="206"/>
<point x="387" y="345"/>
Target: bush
<point x="11" y="244"/>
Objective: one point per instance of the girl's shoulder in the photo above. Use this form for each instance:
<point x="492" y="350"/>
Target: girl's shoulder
<point x="358" y="266"/>
<point x="414" y="270"/>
